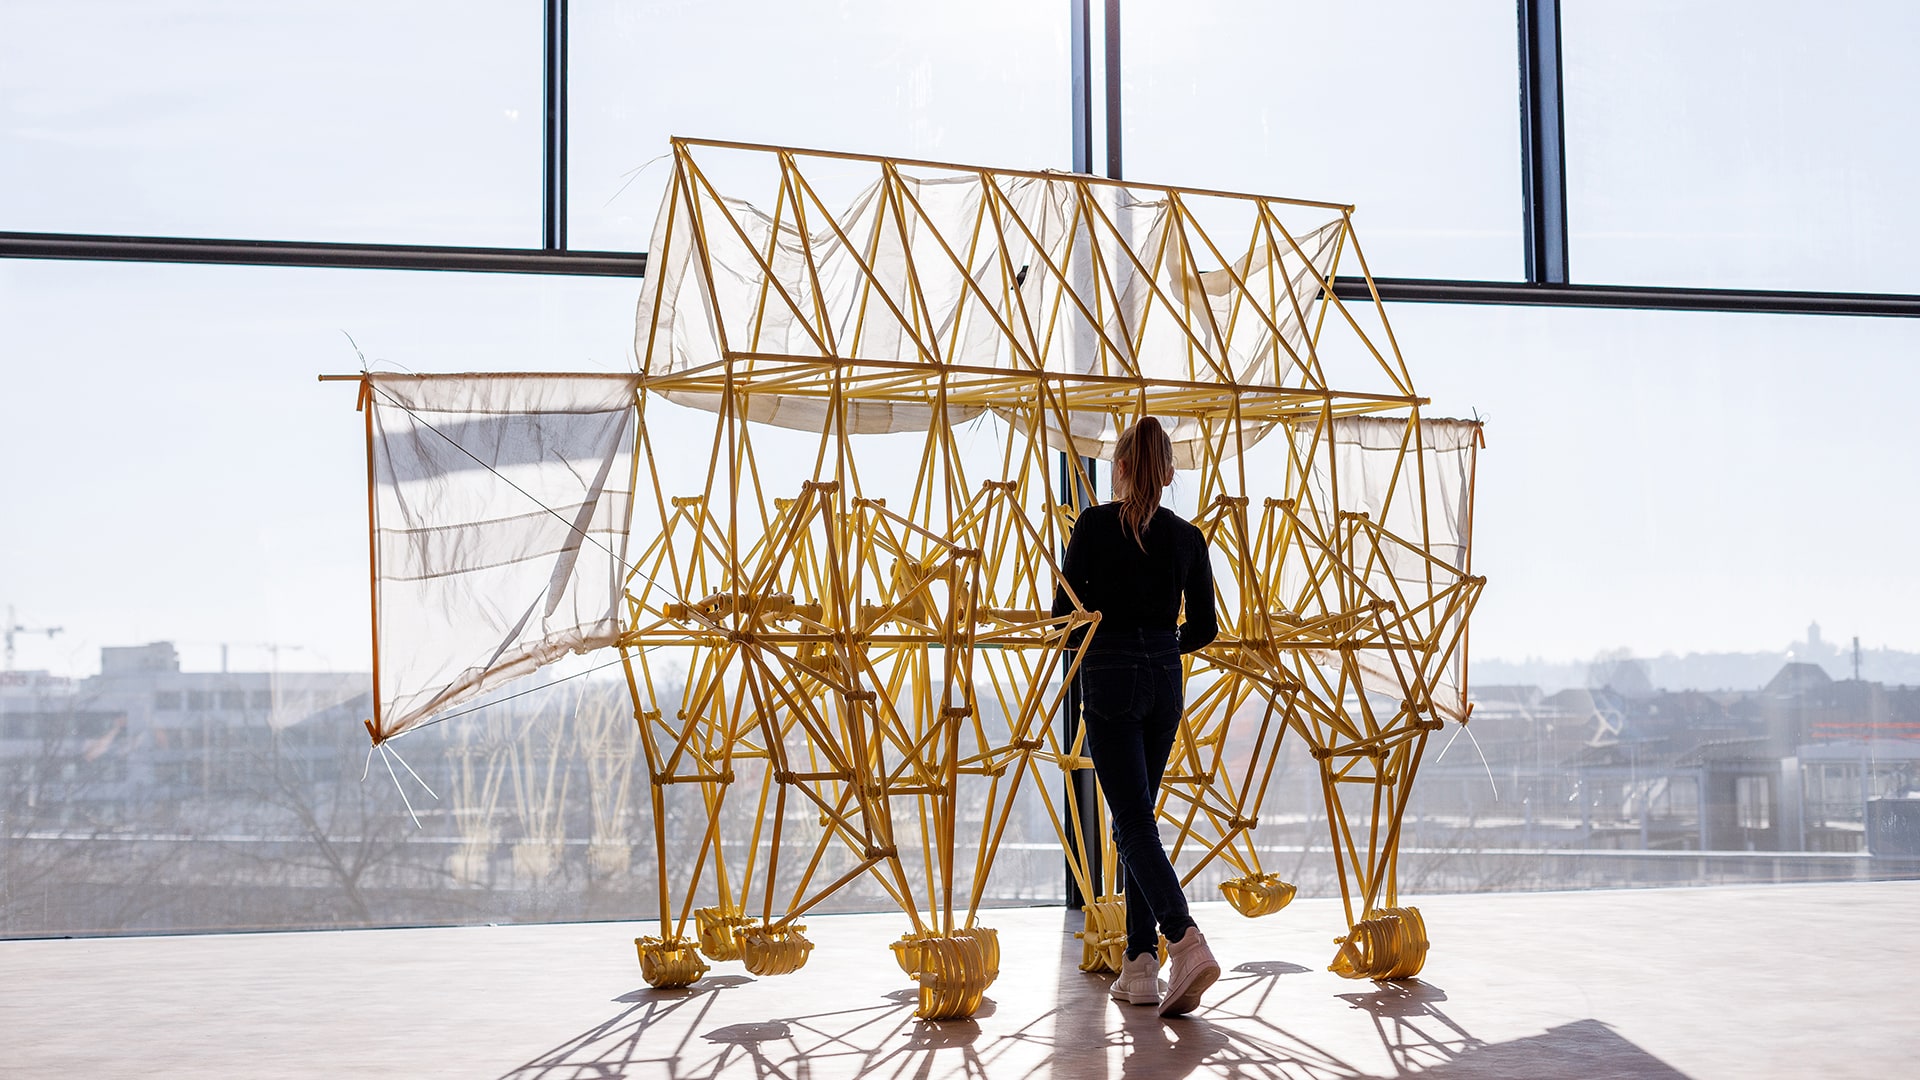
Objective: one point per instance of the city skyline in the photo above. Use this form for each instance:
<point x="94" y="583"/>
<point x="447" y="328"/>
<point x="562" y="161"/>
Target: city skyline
<point x="1815" y="645"/>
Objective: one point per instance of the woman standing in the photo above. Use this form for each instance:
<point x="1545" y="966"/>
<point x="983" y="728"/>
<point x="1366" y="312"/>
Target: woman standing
<point x="1134" y="561"/>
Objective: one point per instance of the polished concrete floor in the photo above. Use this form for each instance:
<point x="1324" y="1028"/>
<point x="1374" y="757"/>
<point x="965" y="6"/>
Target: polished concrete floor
<point x="1770" y="981"/>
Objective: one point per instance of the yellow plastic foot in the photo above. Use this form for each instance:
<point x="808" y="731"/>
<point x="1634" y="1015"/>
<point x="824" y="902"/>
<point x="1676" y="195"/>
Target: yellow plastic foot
<point x="715" y="927"/>
<point x="907" y="952"/>
<point x="1103" y="944"/>
<point x="953" y="970"/>
<point x="1257" y="894"/>
<point x="769" y="950"/>
<point x="669" y="962"/>
<point x="1390" y="943"/>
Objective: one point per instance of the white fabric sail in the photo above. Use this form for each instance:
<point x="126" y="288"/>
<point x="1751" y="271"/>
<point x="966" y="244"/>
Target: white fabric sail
<point x="501" y="506"/>
<point x="1366" y="465"/>
<point x="979" y="271"/>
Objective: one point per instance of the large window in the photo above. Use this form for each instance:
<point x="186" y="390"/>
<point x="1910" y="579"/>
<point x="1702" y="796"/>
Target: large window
<point x="947" y="81"/>
<point x="343" y="120"/>
<point x="1666" y="502"/>
<point x="1742" y="144"/>
<point x="1679" y="482"/>
<point x="176" y="473"/>
<point x="1404" y="109"/>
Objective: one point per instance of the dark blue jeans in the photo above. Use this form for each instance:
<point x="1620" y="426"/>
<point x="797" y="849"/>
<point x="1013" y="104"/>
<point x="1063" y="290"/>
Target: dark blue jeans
<point x="1131" y="699"/>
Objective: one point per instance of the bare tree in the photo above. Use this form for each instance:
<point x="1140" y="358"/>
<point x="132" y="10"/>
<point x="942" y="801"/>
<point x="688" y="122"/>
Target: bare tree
<point x="76" y="851"/>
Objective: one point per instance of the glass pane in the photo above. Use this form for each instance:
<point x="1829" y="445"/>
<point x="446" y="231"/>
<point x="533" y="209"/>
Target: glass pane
<point x="1742" y="144"/>
<point x="193" y="518"/>
<point x="1679" y="482"/>
<point x="1662" y="509"/>
<point x="340" y="120"/>
<point x="1407" y="110"/>
<point x="243" y="477"/>
<point x="976" y="83"/>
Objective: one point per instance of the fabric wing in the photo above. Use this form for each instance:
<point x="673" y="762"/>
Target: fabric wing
<point x="501" y="506"/>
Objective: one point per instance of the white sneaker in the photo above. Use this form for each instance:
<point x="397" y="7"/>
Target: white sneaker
<point x="1139" y="980"/>
<point x="1191" y="968"/>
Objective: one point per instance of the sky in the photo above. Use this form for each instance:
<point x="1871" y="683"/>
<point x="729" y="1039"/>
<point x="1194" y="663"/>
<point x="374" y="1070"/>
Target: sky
<point x="1660" y="482"/>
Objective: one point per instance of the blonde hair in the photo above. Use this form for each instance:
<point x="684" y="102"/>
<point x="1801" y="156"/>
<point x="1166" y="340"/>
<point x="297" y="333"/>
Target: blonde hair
<point x="1147" y="455"/>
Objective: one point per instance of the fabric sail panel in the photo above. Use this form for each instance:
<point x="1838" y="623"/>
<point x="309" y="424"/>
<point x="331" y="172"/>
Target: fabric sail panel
<point x="922" y="268"/>
<point x="1245" y="347"/>
<point x="1421" y="547"/>
<point x="501" y="507"/>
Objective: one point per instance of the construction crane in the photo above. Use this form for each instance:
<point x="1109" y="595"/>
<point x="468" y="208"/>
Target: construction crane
<point x="13" y="627"/>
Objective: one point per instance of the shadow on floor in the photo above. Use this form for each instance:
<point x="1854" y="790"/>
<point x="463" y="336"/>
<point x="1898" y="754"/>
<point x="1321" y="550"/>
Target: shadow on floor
<point x="1582" y="1050"/>
<point x="673" y="1033"/>
<point x="1422" y="1040"/>
<point x="679" y="1033"/>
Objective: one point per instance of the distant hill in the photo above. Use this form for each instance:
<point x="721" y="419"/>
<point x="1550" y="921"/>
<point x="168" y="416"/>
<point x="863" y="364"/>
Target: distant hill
<point x="1700" y="670"/>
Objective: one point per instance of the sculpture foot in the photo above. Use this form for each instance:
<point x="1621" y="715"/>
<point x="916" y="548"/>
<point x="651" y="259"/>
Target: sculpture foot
<point x="1257" y="894"/>
<point x="953" y="970"/>
<point x="1390" y="943"/>
<point x="667" y="962"/>
<point x="769" y="950"/>
<point x="716" y="926"/>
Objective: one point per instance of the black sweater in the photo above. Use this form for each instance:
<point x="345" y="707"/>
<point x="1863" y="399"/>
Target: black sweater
<point x="1140" y="590"/>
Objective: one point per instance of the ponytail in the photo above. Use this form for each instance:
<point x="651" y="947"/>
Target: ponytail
<point x="1147" y="454"/>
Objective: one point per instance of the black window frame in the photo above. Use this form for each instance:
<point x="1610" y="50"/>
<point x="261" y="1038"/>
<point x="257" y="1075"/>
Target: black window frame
<point x="1543" y="206"/>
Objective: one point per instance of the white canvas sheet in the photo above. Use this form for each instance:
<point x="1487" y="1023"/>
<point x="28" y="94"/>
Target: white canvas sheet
<point x="501" y="506"/>
<point x="842" y="288"/>
<point x="1366" y="462"/>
